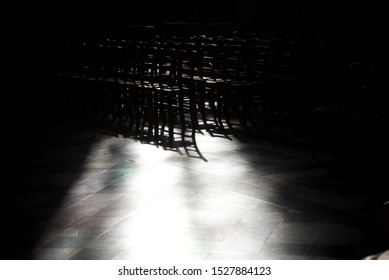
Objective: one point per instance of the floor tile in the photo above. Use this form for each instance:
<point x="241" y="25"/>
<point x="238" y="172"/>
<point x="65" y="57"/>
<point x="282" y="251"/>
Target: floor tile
<point x="89" y="195"/>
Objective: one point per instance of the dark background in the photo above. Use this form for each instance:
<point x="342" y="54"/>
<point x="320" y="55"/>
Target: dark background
<point x="37" y="14"/>
<point x="33" y="23"/>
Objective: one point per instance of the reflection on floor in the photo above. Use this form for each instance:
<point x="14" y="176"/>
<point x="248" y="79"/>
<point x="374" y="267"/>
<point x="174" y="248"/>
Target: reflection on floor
<point x="82" y="194"/>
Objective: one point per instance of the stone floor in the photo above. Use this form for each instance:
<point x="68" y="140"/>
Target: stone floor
<point x="78" y="191"/>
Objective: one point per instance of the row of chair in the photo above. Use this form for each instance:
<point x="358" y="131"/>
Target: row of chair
<point x="160" y="81"/>
<point x="153" y="82"/>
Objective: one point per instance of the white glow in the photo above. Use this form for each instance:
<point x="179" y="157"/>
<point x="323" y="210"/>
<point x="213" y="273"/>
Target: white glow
<point x="163" y="209"/>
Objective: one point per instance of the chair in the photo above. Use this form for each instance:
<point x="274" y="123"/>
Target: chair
<point x="188" y="80"/>
<point x="354" y="120"/>
<point x="176" y="93"/>
<point x="209" y="72"/>
<point x="145" y="72"/>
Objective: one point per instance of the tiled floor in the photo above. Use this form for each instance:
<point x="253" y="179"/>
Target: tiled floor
<point x="80" y="193"/>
